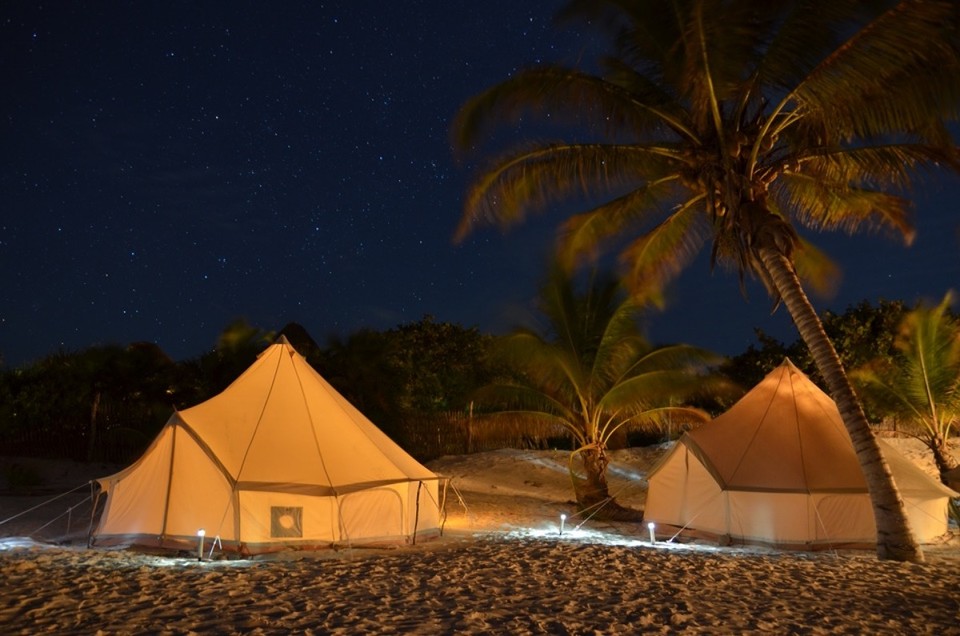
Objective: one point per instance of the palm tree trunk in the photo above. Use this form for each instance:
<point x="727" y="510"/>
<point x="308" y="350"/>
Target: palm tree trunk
<point x="593" y="493"/>
<point x="941" y="457"/>
<point x="895" y="541"/>
<point x="592" y="489"/>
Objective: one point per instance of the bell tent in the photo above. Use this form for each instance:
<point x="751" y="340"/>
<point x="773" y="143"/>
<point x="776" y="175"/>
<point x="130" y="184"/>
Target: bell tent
<point x="279" y="459"/>
<point x="779" y="468"/>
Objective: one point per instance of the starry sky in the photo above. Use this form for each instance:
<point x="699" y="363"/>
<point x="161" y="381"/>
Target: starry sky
<point x="168" y="167"/>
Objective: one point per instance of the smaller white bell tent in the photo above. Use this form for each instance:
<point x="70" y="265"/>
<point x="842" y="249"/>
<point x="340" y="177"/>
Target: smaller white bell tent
<point x="278" y="459"/>
<point x="779" y="468"/>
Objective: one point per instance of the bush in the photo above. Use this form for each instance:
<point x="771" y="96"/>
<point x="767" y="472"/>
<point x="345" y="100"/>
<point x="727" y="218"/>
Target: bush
<point x="20" y="477"/>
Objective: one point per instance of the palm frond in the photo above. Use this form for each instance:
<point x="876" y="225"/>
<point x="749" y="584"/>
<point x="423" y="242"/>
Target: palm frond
<point x="530" y="180"/>
<point x="881" y="388"/>
<point x="568" y="96"/>
<point x="911" y="47"/>
<point x="922" y="384"/>
<point x="886" y="165"/>
<point x="929" y="340"/>
<point x="675" y="418"/>
<point x="516" y="398"/>
<point x="577" y="322"/>
<point x="824" y="205"/>
<point x="619" y="347"/>
<point x="806" y="32"/>
<point x="677" y="356"/>
<point x="581" y="236"/>
<point x="725" y="40"/>
<point x="646" y="390"/>
<point x="667" y="114"/>
<point x="658" y="256"/>
<point x="817" y="270"/>
<point x="543" y="363"/>
<point x="645" y="32"/>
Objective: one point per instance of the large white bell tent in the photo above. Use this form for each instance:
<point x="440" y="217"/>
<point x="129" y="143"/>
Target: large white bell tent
<point x="779" y="468"/>
<point x="278" y="459"/>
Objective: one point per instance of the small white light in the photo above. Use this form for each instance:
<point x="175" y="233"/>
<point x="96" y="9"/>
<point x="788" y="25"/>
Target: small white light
<point x="200" y="533"/>
<point x="653" y="537"/>
<point x="563" y="518"/>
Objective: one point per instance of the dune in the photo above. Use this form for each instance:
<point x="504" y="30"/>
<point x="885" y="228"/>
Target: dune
<point x="501" y="566"/>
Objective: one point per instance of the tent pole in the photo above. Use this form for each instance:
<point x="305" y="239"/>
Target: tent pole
<point x="443" y="506"/>
<point x="416" y="513"/>
<point x="166" y="498"/>
<point x="96" y="494"/>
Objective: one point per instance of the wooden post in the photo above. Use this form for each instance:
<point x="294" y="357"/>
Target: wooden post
<point x="470" y="429"/>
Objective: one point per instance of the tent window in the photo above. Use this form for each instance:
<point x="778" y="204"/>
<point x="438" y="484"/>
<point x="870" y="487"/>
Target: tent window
<point x="286" y="521"/>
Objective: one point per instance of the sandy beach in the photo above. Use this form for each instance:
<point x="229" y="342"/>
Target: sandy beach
<point x="501" y="566"/>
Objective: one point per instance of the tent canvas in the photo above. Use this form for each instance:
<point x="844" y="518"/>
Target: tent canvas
<point x="278" y="459"/>
<point x="779" y="468"/>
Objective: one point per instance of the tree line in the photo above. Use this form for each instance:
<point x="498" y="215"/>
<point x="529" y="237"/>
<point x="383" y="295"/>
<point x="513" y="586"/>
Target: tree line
<point x="420" y="382"/>
<point x="107" y="402"/>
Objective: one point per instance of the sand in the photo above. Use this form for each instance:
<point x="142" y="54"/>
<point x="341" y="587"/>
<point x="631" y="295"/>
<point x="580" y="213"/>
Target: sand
<point x="501" y="567"/>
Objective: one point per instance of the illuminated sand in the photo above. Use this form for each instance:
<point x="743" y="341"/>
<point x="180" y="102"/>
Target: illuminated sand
<point x="502" y="567"/>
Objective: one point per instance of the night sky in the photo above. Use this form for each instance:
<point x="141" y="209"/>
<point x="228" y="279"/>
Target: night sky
<point x="168" y="167"/>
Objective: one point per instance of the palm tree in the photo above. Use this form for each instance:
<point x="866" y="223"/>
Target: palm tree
<point x="922" y="386"/>
<point x="730" y="122"/>
<point x="591" y="374"/>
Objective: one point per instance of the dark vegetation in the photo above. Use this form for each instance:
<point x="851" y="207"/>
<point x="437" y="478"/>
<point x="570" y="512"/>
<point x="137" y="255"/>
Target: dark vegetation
<point x="415" y="381"/>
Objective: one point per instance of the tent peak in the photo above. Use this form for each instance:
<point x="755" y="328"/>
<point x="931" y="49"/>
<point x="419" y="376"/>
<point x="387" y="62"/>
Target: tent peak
<point x="789" y="368"/>
<point x="282" y="342"/>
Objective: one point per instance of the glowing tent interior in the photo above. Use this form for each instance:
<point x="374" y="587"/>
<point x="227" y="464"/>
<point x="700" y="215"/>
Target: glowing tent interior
<point x="779" y="468"/>
<point x="279" y="459"/>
